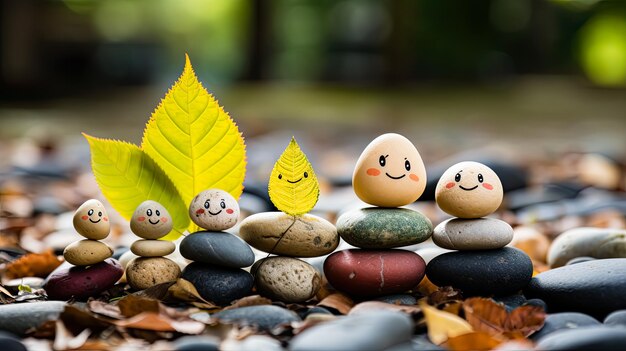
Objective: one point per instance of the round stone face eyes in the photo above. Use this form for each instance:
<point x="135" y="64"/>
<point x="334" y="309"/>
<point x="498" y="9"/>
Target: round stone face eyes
<point x="480" y="178"/>
<point x="382" y="161"/>
<point x="457" y="177"/>
<point x="214" y="210"/>
<point x="407" y="165"/>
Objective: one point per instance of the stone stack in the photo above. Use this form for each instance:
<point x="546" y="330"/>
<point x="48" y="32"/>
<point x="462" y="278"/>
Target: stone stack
<point x="482" y="265"/>
<point x="89" y="269"/>
<point x="218" y="256"/>
<point x="151" y="221"/>
<point x="389" y="174"/>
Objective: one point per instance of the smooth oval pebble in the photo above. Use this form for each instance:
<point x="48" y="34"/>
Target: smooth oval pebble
<point x="91" y="220"/>
<point x="383" y="228"/>
<point x="214" y="210"/>
<point x="592" y="242"/>
<point x="469" y="190"/>
<point x="472" y="234"/>
<point x="265" y="317"/>
<point x="482" y="272"/>
<point x="151" y="220"/>
<point x="371" y="330"/>
<point x="82" y="282"/>
<point x="374" y="272"/>
<point x="152" y="248"/>
<point x="18" y="318"/>
<point x="599" y="337"/>
<point x="286" y="279"/>
<point x="218" y="248"/>
<point x="617" y="318"/>
<point x="276" y="232"/>
<point x="390" y="172"/>
<point x="599" y="283"/>
<point x="146" y="272"/>
<point x="87" y="252"/>
<point x="10" y="342"/>
<point x="220" y="285"/>
<point x="565" y="320"/>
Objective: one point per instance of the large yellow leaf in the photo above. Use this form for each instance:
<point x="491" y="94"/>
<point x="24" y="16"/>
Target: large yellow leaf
<point x="127" y="177"/>
<point x="293" y="187"/>
<point x="443" y="325"/>
<point x="194" y="141"/>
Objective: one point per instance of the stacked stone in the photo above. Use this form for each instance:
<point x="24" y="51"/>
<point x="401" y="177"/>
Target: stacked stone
<point x="89" y="269"/>
<point x="482" y="265"/>
<point x="218" y="256"/>
<point x="151" y="221"/>
<point x="389" y="174"/>
<point x="285" y="277"/>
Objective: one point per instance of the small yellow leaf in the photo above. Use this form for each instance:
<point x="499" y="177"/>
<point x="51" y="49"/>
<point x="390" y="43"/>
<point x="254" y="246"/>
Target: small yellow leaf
<point x="293" y="187"/>
<point x="443" y="325"/>
<point x="195" y="141"/>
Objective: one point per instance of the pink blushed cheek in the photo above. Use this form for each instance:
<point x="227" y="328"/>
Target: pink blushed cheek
<point x="106" y="219"/>
<point x="373" y="172"/>
<point x="141" y="219"/>
<point x="488" y="186"/>
<point x="229" y="211"/>
<point x="164" y="219"/>
<point x="84" y="218"/>
<point x="199" y="211"/>
<point x="414" y="177"/>
<point x="450" y="185"/>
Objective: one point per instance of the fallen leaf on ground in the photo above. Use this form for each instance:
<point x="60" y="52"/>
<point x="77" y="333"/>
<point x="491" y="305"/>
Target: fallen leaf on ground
<point x="185" y="291"/>
<point x="254" y="300"/>
<point x="338" y="301"/>
<point x="77" y="319"/>
<point x="443" y="295"/>
<point x="443" y="325"/>
<point x="158" y="292"/>
<point x="133" y="305"/>
<point x="157" y="322"/>
<point x="491" y="317"/>
<point x="475" y="341"/>
<point x="105" y="309"/>
<point x="64" y="340"/>
<point x="33" y="265"/>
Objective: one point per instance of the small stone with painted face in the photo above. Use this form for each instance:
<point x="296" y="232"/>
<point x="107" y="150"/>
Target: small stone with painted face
<point x="214" y="210"/>
<point x="91" y="220"/>
<point x="469" y="190"/>
<point x="390" y="172"/>
<point x="151" y="220"/>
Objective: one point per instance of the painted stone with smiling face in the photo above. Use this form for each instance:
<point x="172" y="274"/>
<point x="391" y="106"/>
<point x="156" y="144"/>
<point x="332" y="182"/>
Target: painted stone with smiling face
<point x="469" y="190"/>
<point x="151" y="220"/>
<point x="390" y="172"/>
<point x="214" y="210"/>
<point x="91" y="220"/>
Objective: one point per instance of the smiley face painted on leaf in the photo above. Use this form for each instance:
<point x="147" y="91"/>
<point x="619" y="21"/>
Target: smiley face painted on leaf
<point x="390" y="172"/>
<point x="469" y="190"/>
<point x="293" y="186"/>
<point x="214" y="210"/>
<point x="151" y="220"/>
<point x="91" y="220"/>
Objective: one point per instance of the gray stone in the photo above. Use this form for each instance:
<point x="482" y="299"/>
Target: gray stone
<point x="398" y="299"/>
<point x="218" y="284"/>
<point x="18" y="318"/>
<point x="599" y="337"/>
<point x="564" y="320"/>
<point x="375" y="330"/>
<point x="579" y="260"/>
<point x="616" y="318"/>
<point x="218" y="248"/>
<point x="472" y="234"/>
<point x="197" y="343"/>
<point x="265" y="317"/>
<point x="258" y="343"/>
<point x="592" y="242"/>
<point x="10" y="342"/>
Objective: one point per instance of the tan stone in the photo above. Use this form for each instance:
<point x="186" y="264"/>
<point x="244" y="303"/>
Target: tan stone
<point x="151" y="220"/>
<point x="286" y="279"/>
<point x="214" y="210"/>
<point x="87" y="252"/>
<point x="469" y="190"/>
<point x="152" y="248"/>
<point x="390" y="172"/>
<point x="145" y="272"/>
<point x="472" y="234"/>
<point x="91" y="220"/>
<point x="308" y="236"/>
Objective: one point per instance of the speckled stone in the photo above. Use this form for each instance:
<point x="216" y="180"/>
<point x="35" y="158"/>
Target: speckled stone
<point x="472" y="234"/>
<point x="286" y="279"/>
<point x="87" y="252"/>
<point x="265" y="317"/>
<point x="383" y="228"/>
<point x="145" y="272"/>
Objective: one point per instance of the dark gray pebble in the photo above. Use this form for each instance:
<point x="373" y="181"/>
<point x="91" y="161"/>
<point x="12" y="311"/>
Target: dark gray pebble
<point x="10" y="342"/>
<point x="265" y="317"/>
<point x="616" y="318"/>
<point x="217" y="248"/>
<point x="197" y="343"/>
<point x="564" y="320"/>
<point x="218" y="284"/>
<point x="598" y="337"/>
<point x="17" y="318"/>
<point x="398" y="299"/>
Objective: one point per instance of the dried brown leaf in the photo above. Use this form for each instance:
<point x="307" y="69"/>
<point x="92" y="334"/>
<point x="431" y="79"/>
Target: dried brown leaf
<point x="76" y="320"/>
<point x="491" y="317"/>
<point x="338" y="301"/>
<point x="183" y="290"/>
<point x="33" y="265"/>
<point x="476" y="341"/>
<point x="105" y="309"/>
<point x="254" y="300"/>
<point x="157" y="292"/>
<point x="160" y="323"/>
<point x="444" y="294"/>
<point x="133" y="305"/>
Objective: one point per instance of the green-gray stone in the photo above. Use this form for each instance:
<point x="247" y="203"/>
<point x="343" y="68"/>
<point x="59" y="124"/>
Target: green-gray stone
<point x="383" y="228"/>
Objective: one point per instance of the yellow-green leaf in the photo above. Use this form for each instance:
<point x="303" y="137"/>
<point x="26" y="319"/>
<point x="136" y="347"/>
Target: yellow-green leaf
<point x="127" y="177"/>
<point x="293" y="187"/>
<point x="194" y="141"/>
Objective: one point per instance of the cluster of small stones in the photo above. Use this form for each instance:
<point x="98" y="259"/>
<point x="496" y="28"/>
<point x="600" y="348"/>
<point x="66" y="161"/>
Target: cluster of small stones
<point x="92" y="222"/>
<point x="389" y="173"/>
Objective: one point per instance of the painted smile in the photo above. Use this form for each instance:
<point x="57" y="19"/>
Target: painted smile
<point x="294" y="181"/>
<point x="216" y="213"/>
<point x="392" y="177"/>
<point x="95" y="221"/>
<point x="158" y="220"/>
<point x="468" y="189"/>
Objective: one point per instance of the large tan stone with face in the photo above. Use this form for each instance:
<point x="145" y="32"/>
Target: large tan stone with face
<point x="214" y="210"/>
<point x="277" y="233"/>
<point x="91" y="220"/>
<point x="390" y="172"/>
<point x="145" y="272"/>
<point x="469" y="190"/>
<point x="151" y="220"/>
<point x="87" y="252"/>
<point x="152" y="248"/>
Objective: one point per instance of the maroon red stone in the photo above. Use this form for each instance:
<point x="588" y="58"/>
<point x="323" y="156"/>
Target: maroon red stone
<point x="81" y="282"/>
<point x="374" y="272"/>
